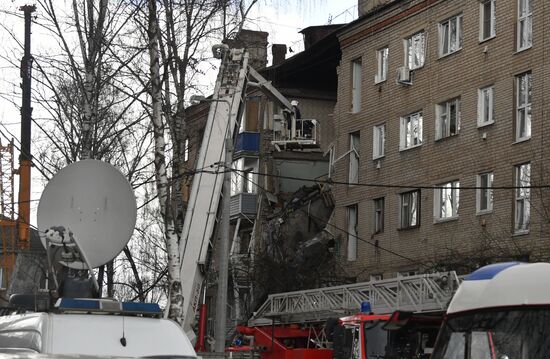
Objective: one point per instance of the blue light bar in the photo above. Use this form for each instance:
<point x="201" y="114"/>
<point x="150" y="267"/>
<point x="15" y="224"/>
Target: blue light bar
<point x="108" y="306"/>
<point x="143" y="308"/>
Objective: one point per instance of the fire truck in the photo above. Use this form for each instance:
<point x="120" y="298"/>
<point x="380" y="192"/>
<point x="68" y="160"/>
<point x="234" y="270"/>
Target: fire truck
<point x="399" y="318"/>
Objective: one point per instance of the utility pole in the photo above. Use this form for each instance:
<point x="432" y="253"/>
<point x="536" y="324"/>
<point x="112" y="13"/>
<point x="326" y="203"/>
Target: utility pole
<point x="25" y="158"/>
<point x="223" y="255"/>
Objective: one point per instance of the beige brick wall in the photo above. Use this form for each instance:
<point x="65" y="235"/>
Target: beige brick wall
<point x="461" y="157"/>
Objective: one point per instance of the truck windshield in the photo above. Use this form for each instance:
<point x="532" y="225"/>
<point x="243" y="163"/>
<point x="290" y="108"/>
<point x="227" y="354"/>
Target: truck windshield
<point x="376" y="339"/>
<point x="496" y="334"/>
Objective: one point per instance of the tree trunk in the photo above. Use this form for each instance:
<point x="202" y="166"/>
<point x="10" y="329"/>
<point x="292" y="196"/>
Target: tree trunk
<point x="175" y="311"/>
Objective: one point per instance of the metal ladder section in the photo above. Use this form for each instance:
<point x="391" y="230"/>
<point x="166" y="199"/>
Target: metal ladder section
<point x="419" y="293"/>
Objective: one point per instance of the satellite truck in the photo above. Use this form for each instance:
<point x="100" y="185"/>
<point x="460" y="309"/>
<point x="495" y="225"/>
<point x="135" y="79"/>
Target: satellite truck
<point x="86" y="216"/>
<point x="500" y="311"/>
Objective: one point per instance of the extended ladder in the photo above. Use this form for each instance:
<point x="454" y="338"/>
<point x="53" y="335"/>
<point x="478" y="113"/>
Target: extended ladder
<point x="419" y="293"/>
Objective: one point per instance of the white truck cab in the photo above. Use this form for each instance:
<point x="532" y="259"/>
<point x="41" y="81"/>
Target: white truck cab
<point x="97" y="328"/>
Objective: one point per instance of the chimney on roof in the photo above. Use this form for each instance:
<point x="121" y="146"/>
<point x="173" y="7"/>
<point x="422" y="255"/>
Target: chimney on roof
<point x="365" y="6"/>
<point x="279" y="53"/>
<point x="255" y="42"/>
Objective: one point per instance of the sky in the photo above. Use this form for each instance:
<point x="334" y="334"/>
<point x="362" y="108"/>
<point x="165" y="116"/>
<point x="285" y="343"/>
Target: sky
<point x="283" y="23"/>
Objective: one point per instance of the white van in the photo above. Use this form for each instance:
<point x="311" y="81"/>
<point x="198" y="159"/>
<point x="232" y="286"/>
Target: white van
<point x="95" y="332"/>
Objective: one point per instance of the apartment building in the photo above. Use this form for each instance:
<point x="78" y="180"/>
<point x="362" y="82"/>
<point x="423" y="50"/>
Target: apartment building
<point x="441" y="123"/>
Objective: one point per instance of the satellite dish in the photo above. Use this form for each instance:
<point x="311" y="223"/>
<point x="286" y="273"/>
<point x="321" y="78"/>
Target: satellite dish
<point x="95" y="202"/>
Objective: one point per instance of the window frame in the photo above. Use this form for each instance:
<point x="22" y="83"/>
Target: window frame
<point x="445" y="37"/>
<point x="378" y="211"/>
<point x="481" y="114"/>
<point x="492" y="23"/>
<point x="443" y="109"/>
<point x="382" y="61"/>
<point x="410" y="50"/>
<point x="354" y="157"/>
<point x="378" y="141"/>
<point x="356" y="84"/>
<point x="409" y="195"/>
<point x="186" y="150"/>
<point x="523" y="196"/>
<point x="352" y="231"/>
<point x="526" y="107"/>
<point x="439" y="200"/>
<point x="524" y="18"/>
<point x="404" y="121"/>
<point x="488" y="192"/>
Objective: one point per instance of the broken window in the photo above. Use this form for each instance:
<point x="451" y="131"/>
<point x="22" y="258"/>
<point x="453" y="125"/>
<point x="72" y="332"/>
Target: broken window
<point x="352" y="232"/>
<point x="411" y="131"/>
<point x="522" y="200"/>
<point x="485" y="192"/>
<point x="487" y="19"/>
<point x="237" y="176"/>
<point x="243" y="179"/>
<point x="485" y="107"/>
<point x="447" y="119"/>
<point x="446" y="200"/>
<point x="354" y="156"/>
<point x="450" y="35"/>
<point x="523" y="113"/>
<point x="525" y="25"/>
<point x="356" y="86"/>
<point x="378" y="141"/>
<point x="379" y="215"/>
<point x="415" y="50"/>
<point x="409" y="209"/>
<point x="382" y="65"/>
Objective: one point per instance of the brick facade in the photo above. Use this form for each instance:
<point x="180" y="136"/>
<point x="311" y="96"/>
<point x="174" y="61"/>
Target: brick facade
<point x="470" y="239"/>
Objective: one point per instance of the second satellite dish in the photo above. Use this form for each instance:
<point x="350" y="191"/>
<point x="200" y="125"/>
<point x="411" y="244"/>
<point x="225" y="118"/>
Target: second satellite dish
<point x="95" y="202"/>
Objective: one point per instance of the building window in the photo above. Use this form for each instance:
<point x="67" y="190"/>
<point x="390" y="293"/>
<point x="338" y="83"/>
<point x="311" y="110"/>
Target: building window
<point x="523" y="104"/>
<point x="446" y="200"/>
<point x="450" y="35"/>
<point x="411" y="131"/>
<point x="406" y="273"/>
<point x="186" y="150"/>
<point x="382" y="65"/>
<point x="354" y="156"/>
<point x="525" y="25"/>
<point x="409" y="209"/>
<point x="485" y="108"/>
<point x="378" y="141"/>
<point x="352" y="232"/>
<point x="415" y="50"/>
<point x="379" y="215"/>
<point x="447" y="119"/>
<point x="487" y="19"/>
<point x="242" y="176"/>
<point x="356" y="86"/>
<point x="375" y="277"/>
<point x="484" y="192"/>
<point x="523" y="195"/>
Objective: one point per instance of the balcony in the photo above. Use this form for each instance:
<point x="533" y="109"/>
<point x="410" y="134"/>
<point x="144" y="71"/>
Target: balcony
<point x="243" y="204"/>
<point x="248" y="142"/>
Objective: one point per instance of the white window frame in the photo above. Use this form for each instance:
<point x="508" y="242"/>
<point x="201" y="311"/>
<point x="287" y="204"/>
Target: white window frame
<point x="522" y="210"/>
<point x="378" y="141"/>
<point x="379" y="209"/>
<point x="356" y="68"/>
<point x="447" y="201"/>
<point x="354" y="157"/>
<point x="408" y="138"/>
<point x="415" y="50"/>
<point x="382" y="65"/>
<point x="524" y="25"/>
<point x="492" y="19"/>
<point x="353" y="220"/>
<point x="484" y="182"/>
<point x="409" y="215"/>
<point x="485" y="106"/>
<point x="523" y="107"/>
<point x="446" y="113"/>
<point x="447" y="44"/>
<point x="407" y="273"/>
<point x="376" y="277"/>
